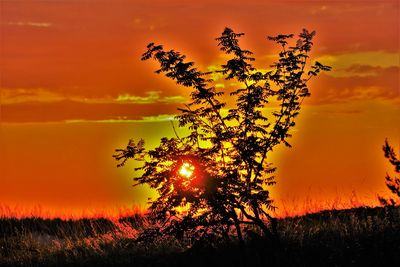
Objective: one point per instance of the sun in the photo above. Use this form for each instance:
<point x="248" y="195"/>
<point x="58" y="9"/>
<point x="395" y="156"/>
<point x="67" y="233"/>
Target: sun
<point x="186" y="170"/>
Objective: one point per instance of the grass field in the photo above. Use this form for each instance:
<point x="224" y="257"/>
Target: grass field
<point x="353" y="237"/>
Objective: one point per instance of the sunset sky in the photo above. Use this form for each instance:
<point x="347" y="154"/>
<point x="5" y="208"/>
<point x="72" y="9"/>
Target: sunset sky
<point x="73" y="89"/>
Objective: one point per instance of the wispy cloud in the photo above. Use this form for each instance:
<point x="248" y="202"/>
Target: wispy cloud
<point x="362" y="70"/>
<point x="151" y="97"/>
<point x="125" y="119"/>
<point x="341" y="64"/>
<point x="44" y="95"/>
<point x="20" y="95"/>
<point x="93" y="110"/>
<point x="159" y="118"/>
<point x="31" y="24"/>
<point x="361" y="83"/>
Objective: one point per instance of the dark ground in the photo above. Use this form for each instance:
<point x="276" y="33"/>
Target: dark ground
<point x="355" y="237"/>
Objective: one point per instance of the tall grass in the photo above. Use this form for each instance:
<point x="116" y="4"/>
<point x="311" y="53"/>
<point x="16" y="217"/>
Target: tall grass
<point x="362" y="236"/>
<point x="20" y="212"/>
<point x="287" y="207"/>
<point x="293" y="206"/>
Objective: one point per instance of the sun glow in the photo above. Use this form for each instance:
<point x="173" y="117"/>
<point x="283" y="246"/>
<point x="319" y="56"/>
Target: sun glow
<point x="186" y="170"/>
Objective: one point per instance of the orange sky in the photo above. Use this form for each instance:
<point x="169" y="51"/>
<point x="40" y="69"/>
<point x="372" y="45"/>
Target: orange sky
<point x="73" y="88"/>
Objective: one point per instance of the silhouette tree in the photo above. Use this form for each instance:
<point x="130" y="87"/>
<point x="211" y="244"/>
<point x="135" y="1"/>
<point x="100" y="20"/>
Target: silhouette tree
<point x="392" y="183"/>
<point x="217" y="178"/>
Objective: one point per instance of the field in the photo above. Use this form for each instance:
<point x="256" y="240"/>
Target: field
<point x="352" y="237"/>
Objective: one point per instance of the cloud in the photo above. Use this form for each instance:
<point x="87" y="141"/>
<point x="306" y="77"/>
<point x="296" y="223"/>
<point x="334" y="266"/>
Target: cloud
<point x="361" y="83"/>
<point x="45" y="105"/>
<point x="20" y="95"/>
<point x="124" y="119"/>
<point x="162" y="117"/>
<point x="31" y="24"/>
<point x="215" y="76"/>
<point x="44" y="95"/>
<point x="68" y="110"/>
<point x="362" y="70"/>
<point x="344" y="65"/>
<point x="151" y="97"/>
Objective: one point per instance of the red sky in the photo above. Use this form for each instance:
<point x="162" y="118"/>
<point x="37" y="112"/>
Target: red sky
<point x="73" y="88"/>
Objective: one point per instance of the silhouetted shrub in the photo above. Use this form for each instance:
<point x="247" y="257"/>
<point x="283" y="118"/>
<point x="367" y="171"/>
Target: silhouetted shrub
<point x="392" y="183"/>
<point x="217" y="178"/>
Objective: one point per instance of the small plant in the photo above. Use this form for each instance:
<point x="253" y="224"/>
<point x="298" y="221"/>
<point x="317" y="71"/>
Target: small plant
<point x="392" y="183"/>
<point x="217" y="178"/>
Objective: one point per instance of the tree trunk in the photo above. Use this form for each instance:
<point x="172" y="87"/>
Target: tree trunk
<point x="242" y="245"/>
